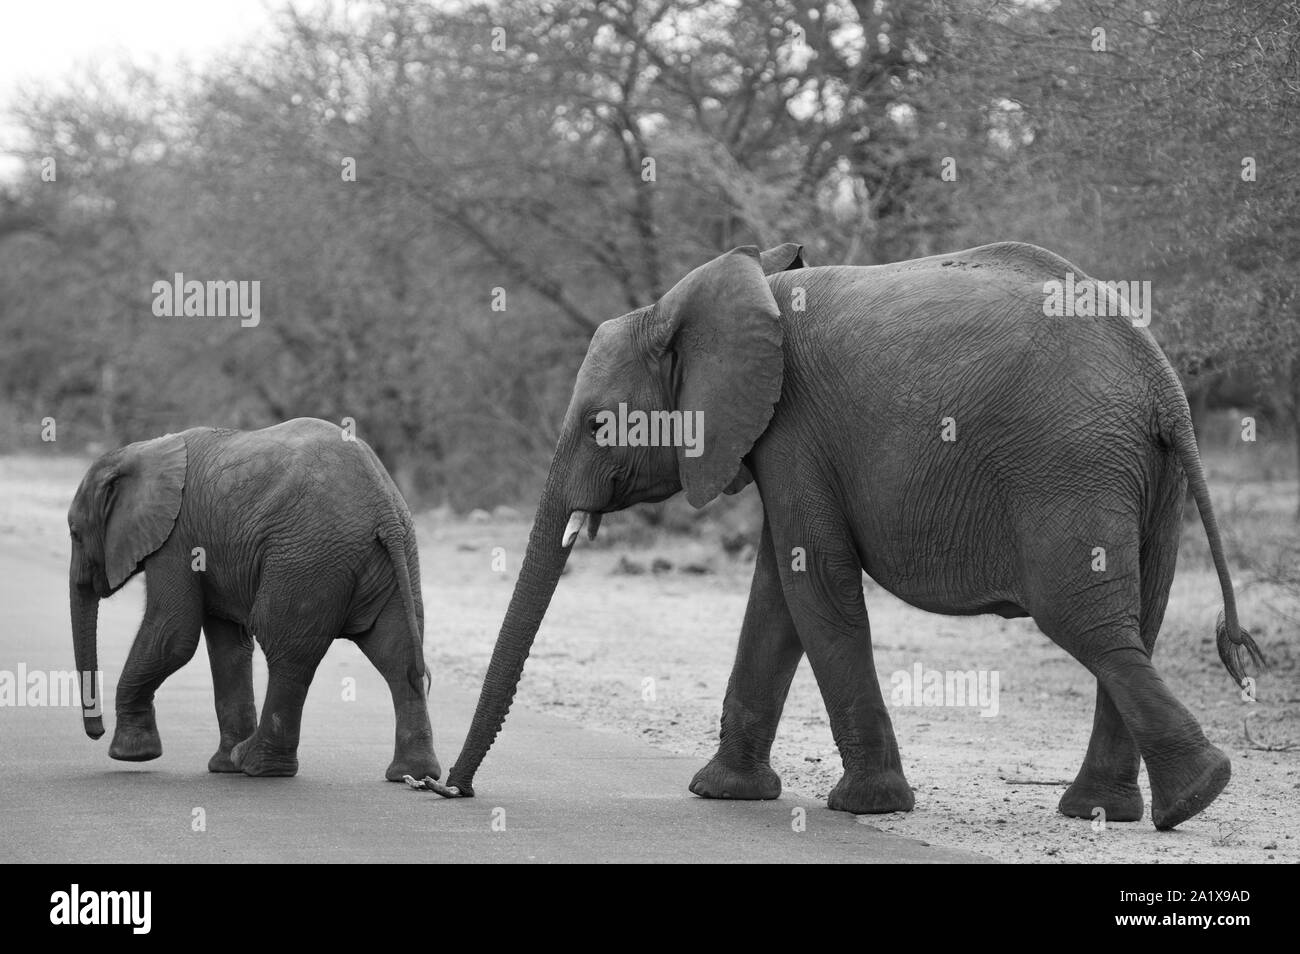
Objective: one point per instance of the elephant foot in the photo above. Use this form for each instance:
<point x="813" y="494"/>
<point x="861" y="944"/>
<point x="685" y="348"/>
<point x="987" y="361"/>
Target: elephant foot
<point x="1187" y="786"/>
<point x="135" y="743"/>
<point x="719" y="780"/>
<point x="877" y="793"/>
<point x="253" y="758"/>
<point x="222" y="762"/>
<point x="419" y="766"/>
<point x="1120" y="802"/>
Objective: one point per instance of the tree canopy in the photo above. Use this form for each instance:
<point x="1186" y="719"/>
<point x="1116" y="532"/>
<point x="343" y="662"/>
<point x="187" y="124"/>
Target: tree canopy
<point x="442" y="201"/>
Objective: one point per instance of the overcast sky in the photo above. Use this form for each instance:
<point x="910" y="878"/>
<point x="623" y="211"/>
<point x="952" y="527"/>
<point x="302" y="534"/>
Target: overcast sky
<point x="40" y="40"/>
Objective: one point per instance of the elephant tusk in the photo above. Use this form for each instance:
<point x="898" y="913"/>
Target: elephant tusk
<point x="592" y="526"/>
<point x="576" y="521"/>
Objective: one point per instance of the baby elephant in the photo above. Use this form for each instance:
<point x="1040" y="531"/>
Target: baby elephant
<point x="294" y="534"/>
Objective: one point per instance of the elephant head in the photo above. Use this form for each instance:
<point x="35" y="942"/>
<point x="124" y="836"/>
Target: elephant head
<point x="710" y="351"/>
<point x="123" y="511"/>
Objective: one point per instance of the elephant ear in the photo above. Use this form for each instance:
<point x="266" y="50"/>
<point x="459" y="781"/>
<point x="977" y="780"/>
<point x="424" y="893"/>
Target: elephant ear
<point x="142" y="503"/>
<point x="782" y="258"/>
<point x="723" y="327"/>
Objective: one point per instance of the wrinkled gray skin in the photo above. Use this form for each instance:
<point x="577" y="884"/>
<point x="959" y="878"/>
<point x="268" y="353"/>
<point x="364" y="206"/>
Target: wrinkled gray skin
<point x="1072" y="434"/>
<point x="306" y="540"/>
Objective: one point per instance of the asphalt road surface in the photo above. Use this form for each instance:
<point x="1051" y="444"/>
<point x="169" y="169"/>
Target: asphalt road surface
<point x="549" y="791"/>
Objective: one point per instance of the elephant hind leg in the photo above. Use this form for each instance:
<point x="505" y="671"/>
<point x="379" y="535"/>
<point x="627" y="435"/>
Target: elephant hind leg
<point x="1106" y="785"/>
<point x="1186" y="772"/>
<point x="394" y="651"/>
<point x="766" y="659"/>
<point x="298" y="612"/>
<point x="1108" y="778"/>
<point x="292" y="655"/>
<point x="272" y="749"/>
<point x="1103" y="623"/>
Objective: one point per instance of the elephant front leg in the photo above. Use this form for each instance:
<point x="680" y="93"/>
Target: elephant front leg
<point x="165" y="642"/>
<point x="230" y="651"/>
<point x="824" y="593"/>
<point x="766" y="659"/>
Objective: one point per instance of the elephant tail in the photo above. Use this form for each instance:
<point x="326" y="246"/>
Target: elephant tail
<point x="1232" y="641"/>
<point x="394" y="537"/>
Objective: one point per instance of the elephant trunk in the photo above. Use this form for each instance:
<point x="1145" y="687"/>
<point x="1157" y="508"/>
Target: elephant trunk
<point x="544" y="561"/>
<point x="85" y="633"/>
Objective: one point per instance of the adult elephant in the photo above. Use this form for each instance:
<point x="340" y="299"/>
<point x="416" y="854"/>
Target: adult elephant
<point x="925" y="422"/>
<point x="295" y="534"/>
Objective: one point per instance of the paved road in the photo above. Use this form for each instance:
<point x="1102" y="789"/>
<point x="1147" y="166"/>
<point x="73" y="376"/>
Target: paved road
<point x="550" y="791"/>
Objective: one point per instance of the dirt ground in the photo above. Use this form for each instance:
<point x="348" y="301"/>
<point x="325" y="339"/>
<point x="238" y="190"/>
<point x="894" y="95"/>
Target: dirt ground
<point x="640" y="637"/>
